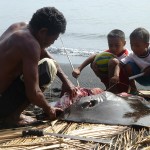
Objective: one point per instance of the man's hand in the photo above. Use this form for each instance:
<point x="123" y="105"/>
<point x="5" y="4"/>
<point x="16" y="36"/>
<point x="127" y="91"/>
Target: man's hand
<point x="53" y="112"/>
<point x="76" y="72"/>
<point x="69" y="88"/>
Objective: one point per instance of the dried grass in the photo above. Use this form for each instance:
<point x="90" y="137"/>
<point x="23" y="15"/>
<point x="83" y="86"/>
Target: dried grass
<point x="124" y="138"/>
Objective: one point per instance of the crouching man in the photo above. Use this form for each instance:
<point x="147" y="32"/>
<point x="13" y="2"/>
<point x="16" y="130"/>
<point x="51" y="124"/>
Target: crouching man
<point x="22" y="74"/>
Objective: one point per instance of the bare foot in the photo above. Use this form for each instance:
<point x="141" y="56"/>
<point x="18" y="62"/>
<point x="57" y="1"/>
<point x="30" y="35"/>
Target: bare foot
<point x="23" y="120"/>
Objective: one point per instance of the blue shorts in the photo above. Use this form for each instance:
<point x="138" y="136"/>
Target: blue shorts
<point x="143" y="80"/>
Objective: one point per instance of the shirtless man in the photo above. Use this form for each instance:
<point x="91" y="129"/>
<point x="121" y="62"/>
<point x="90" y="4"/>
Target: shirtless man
<point x="22" y="46"/>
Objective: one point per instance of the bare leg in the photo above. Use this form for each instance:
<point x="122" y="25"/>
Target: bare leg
<point x="113" y="70"/>
<point x="132" y="88"/>
<point x="117" y="70"/>
<point x="17" y="118"/>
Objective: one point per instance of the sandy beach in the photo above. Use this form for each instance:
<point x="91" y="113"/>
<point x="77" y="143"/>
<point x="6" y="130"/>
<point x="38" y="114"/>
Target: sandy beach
<point x="86" y="79"/>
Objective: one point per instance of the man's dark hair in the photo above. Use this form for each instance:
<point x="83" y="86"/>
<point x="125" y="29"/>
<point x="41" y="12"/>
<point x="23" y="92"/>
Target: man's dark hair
<point x="140" y="33"/>
<point x="50" y="18"/>
<point x="116" y="34"/>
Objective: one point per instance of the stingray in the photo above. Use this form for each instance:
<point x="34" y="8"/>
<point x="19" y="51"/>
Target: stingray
<point x="109" y="108"/>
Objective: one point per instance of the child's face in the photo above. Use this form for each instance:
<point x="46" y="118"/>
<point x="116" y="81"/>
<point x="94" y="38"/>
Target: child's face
<point x="139" y="47"/>
<point x="116" y="45"/>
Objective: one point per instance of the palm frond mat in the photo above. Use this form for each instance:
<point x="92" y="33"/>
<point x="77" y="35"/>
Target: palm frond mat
<point x="122" y="137"/>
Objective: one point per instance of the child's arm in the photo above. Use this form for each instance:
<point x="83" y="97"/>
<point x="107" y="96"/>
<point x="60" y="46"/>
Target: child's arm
<point x="76" y="72"/>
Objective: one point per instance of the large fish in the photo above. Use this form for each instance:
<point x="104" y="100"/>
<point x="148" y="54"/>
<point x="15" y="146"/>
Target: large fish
<point x="109" y="108"/>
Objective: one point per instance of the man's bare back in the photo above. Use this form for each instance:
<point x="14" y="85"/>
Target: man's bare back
<point x="11" y="55"/>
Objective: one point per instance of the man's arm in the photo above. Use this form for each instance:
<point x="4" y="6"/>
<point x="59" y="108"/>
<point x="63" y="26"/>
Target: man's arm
<point x="30" y="57"/>
<point x="69" y="87"/>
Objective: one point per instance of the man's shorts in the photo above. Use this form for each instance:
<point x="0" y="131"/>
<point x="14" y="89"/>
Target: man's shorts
<point x="47" y="72"/>
<point x="15" y="95"/>
<point x="143" y="80"/>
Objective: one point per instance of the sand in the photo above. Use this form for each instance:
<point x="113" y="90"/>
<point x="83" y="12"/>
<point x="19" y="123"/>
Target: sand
<point x="86" y="79"/>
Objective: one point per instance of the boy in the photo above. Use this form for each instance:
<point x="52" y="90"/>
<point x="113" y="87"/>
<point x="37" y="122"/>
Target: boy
<point x="101" y="63"/>
<point x="139" y="60"/>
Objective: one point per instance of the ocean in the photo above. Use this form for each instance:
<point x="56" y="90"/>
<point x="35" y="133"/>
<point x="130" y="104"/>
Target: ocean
<point x="88" y="23"/>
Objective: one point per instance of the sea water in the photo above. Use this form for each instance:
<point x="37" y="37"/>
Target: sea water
<point x="88" y="22"/>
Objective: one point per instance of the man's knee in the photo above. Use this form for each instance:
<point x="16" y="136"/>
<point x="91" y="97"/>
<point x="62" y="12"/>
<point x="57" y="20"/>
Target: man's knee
<point x="47" y="72"/>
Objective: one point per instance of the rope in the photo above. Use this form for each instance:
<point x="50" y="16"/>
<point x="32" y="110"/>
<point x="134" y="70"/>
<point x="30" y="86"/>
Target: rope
<point x="68" y="58"/>
<point x="112" y="86"/>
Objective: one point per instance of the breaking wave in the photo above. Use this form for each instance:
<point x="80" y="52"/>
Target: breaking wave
<point x="71" y="51"/>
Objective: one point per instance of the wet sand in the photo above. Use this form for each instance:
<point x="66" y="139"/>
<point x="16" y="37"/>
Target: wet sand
<point x="86" y="79"/>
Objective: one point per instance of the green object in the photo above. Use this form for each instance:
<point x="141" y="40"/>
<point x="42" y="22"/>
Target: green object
<point x="101" y="60"/>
